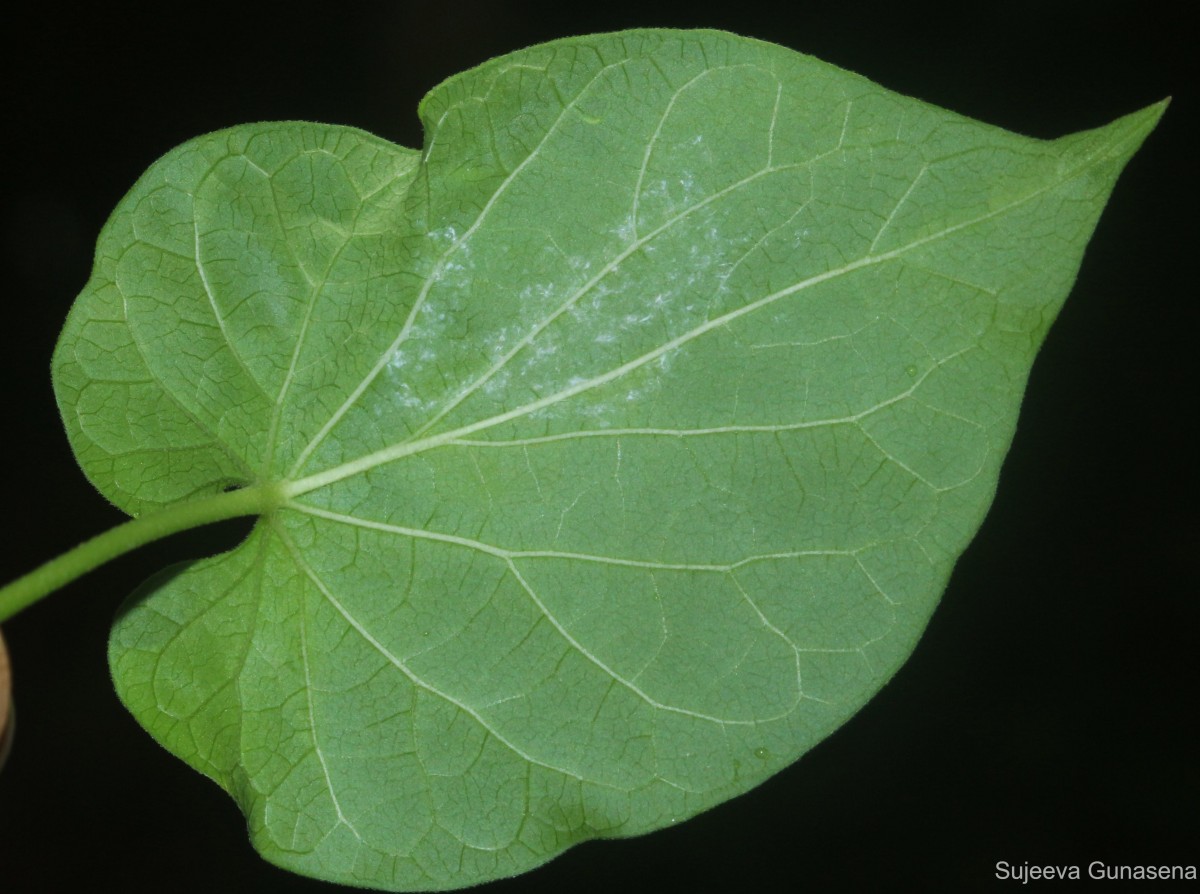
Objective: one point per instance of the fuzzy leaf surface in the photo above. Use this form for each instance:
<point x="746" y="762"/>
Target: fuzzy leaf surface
<point x="627" y="434"/>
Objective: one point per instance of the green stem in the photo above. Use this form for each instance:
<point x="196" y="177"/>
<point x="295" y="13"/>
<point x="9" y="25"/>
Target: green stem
<point x="59" y="572"/>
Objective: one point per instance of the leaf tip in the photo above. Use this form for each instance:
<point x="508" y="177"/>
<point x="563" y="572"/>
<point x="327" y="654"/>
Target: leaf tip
<point x="1129" y="131"/>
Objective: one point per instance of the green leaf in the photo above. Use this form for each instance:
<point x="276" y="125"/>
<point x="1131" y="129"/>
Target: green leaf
<point x="623" y="438"/>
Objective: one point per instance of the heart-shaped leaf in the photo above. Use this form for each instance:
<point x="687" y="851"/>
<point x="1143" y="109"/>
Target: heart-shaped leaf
<point x="619" y="443"/>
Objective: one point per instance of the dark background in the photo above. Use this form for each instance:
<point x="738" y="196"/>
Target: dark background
<point x="1046" y="716"/>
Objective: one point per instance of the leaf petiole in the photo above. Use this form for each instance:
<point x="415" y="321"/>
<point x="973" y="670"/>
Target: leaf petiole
<point x="90" y="554"/>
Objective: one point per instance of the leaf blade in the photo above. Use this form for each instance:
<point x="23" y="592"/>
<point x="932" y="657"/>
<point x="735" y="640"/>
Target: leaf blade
<point x="766" y="474"/>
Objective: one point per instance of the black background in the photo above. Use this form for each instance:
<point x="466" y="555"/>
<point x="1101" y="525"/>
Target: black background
<point x="1047" y="713"/>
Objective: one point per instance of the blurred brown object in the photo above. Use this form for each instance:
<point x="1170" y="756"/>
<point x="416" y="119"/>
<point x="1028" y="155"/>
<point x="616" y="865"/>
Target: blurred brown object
<point x="6" y="712"/>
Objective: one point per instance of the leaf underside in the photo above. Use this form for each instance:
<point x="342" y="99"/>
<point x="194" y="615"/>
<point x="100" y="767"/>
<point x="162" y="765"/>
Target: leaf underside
<point x="627" y="434"/>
